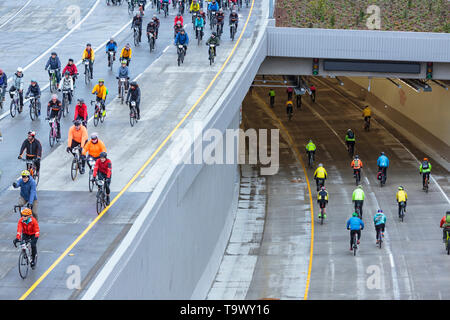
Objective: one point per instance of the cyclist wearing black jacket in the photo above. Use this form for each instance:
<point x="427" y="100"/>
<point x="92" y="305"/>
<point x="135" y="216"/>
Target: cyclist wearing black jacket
<point x="134" y="94"/>
<point x="33" y="149"/>
<point x="54" y="110"/>
<point x="137" y="22"/>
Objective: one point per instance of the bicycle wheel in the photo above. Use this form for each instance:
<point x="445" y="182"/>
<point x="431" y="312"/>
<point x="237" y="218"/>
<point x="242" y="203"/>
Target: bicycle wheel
<point x="51" y="138"/>
<point x="23" y="264"/>
<point x="321" y="216"/>
<point x="448" y="246"/>
<point x="87" y="75"/>
<point x="13" y="108"/>
<point x="91" y="180"/>
<point x="100" y="201"/>
<point x="74" y="168"/>
<point x="33" y="111"/>
<point x="36" y="177"/>
<point x="132" y="117"/>
<point x="96" y="118"/>
<point x="179" y="59"/>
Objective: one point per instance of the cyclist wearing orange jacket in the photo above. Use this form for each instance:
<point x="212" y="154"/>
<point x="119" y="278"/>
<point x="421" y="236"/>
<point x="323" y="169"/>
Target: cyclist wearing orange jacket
<point x="77" y="138"/>
<point x="95" y="147"/>
<point x="356" y="165"/>
<point x="28" y="230"/>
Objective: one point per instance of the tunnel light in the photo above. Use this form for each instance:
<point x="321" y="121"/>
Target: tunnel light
<point x="440" y="84"/>
<point x="396" y="84"/>
<point x="340" y="81"/>
<point x="411" y="85"/>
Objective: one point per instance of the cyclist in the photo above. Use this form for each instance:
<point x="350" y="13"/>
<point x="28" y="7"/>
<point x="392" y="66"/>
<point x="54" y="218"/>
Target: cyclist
<point x="383" y="164"/>
<point x="72" y="68"/>
<point x="313" y="92"/>
<point x="425" y="170"/>
<point x="214" y="39"/>
<point x="101" y="92"/>
<point x="178" y="17"/>
<point x="202" y="14"/>
<point x="34" y="91"/>
<point x="272" y="97"/>
<point x="234" y="18"/>
<point x="54" y="110"/>
<point x="367" y="113"/>
<point x="380" y="223"/>
<point x="157" y="23"/>
<point x="123" y="72"/>
<point x="89" y="54"/>
<point x="18" y="84"/>
<point x="94" y="147"/>
<point x="355" y="225"/>
<point x="3" y="84"/>
<point x="289" y="92"/>
<point x="358" y="199"/>
<point x="320" y="174"/>
<point x="402" y="198"/>
<point x="356" y="165"/>
<point x="137" y="22"/>
<point x="67" y="84"/>
<point x="213" y="7"/>
<point x="194" y="7"/>
<point x="33" y="148"/>
<point x="350" y="139"/>
<point x="28" y="230"/>
<point x="111" y="46"/>
<point x="183" y="39"/>
<point x="151" y="28"/>
<point x="81" y="112"/>
<point x="125" y="54"/>
<point x="322" y="200"/>
<point x="103" y="167"/>
<point x="164" y="2"/>
<point x="177" y="28"/>
<point x="310" y="149"/>
<point x="28" y="195"/>
<point x="220" y="18"/>
<point x="199" y="23"/>
<point x="289" y="107"/>
<point x="445" y="224"/>
<point x="134" y="94"/>
<point x="78" y="136"/>
<point x="53" y="63"/>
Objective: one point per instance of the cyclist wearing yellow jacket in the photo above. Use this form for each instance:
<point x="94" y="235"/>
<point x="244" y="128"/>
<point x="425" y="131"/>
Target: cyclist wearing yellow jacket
<point x="320" y="175"/>
<point x="195" y="6"/>
<point x="125" y="54"/>
<point x="89" y="54"/>
<point x="401" y="197"/>
<point x="101" y="92"/>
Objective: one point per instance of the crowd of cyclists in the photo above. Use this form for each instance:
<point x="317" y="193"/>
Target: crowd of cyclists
<point x="91" y="148"/>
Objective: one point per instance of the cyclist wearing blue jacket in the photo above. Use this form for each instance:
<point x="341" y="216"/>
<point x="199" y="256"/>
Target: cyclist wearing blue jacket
<point x="213" y="7"/>
<point x="355" y="225"/>
<point x="111" y="46"/>
<point x="183" y="39"/>
<point x="383" y="163"/>
<point x="380" y="222"/>
<point x="3" y="84"/>
<point x="53" y="63"/>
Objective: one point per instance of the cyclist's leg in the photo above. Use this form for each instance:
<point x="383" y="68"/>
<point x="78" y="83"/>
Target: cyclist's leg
<point x="358" y="232"/>
<point x="377" y="231"/>
<point x="352" y="232"/>
<point x="34" y="210"/>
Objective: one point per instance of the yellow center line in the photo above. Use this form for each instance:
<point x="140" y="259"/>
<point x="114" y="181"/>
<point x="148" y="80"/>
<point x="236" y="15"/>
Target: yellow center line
<point x="57" y="261"/>
<point x="291" y="142"/>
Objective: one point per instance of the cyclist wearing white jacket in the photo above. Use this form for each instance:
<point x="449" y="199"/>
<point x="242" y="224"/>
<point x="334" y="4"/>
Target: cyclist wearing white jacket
<point x="66" y="83"/>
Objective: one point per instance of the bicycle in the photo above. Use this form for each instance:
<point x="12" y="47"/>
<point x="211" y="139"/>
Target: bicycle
<point x="25" y="258"/>
<point x="350" y="149"/>
<point x="110" y="59"/>
<point x="91" y="164"/>
<point x="310" y="159"/>
<point x="101" y="195"/>
<point x="379" y="238"/>
<point x="53" y="134"/>
<point x="14" y="106"/>
<point x="447" y="241"/>
<point x="290" y="111"/>
<point x="31" y="167"/>
<point x="212" y="20"/>
<point x="211" y="53"/>
<point x="355" y="242"/>
<point x="87" y="71"/>
<point x="133" y="113"/>
<point x="2" y="93"/>
<point x="151" y="42"/>
<point x="199" y="34"/>
<point x="322" y="211"/>
<point x="166" y="9"/>
<point x="181" y="7"/>
<point x="233" y="31"/>
<point x="180" y="52"/>
<point x="321" y="183"/>
<point x="194" y="17"/>
<point x="402" y="211"/>
<point x="136" y="35"/>
<point x="122" y="89"/>
<point x="34" y="109"/>
<point x="65" y="102"/>
<point x="357" y="176"/>
<point x="131" y="4"/>
<point x="425" y="183"/>
<point x="358" y="210"/>
<point x="53" y="81"/>
<point x="219" y="29"/>
<point x="367" y="124"/>
<point x="98" y="114"/>
<point x="76" y="163"/>
<point x="382" y="177"/>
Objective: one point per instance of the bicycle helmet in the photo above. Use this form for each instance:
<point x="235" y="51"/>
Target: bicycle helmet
<point x="382" y="153"/>
<point x="88" y="45"/>
<point x="81" y="100"/>
<point x="77" y="123"/>
<point x="70" y="60"/>
<point x="356" y="157"/>
<point x="26" y="212"/>
<point x="19" y="69"/>
<point x="94" y="136"/>
<point x="53" y="53"/>
<point x="101" y="80"/>
<point x="400" y="188"/>
<point x="103" y="155"/>
<point x="359" y="186"/>
<point x="354" y="214"/>
<point x="323" y="188"/>
<point x="123" y="61"/>
<point x="349" y="130"/>
<point x="54" y="96"/>
<point x="179" y="23"/>
<point x="33" y="80"/>
<point x="133" y="84"/>
<point x="25" y="173"/>
<point x="320" y="165"/>
<point x="214" y="34"/>
<point x="425" y="159"/>
<point x="379" y="210"/>
<point x="31" y="133"/>
<point x="67" y="73"/>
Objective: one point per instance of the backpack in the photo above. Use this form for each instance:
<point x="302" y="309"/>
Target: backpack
<point x="425" y="165"/>
<point x="351" y="135"/>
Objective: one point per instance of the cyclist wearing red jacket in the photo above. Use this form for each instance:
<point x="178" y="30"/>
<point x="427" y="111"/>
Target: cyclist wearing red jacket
<point x="103" y="167"/>
<point x="179" y="17"/>
<point x="28" y="230"/>
<point x="72" y="68"/>
<point x="81" y="112"/>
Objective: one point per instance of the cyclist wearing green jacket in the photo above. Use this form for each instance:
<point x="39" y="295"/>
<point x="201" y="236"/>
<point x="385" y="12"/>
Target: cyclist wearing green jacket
<point x="358" y="198"/>
<point x="272" y="97"/>
<point x="425" y="169"/>
<point x="350" y="139"/>
<point x="310" y="148"/>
